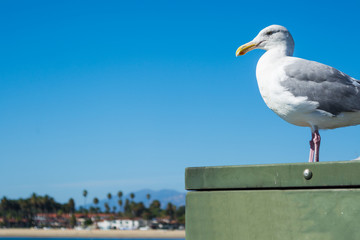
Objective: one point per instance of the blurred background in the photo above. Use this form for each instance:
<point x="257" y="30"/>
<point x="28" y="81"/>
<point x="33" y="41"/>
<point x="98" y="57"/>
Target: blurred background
<point x="124" y="95"/>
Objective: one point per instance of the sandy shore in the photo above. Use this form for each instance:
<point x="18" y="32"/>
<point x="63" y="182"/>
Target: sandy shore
<point x="91" y="233"/>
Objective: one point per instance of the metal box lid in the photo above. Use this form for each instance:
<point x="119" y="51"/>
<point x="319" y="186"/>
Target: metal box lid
<point x="276" y="176"/>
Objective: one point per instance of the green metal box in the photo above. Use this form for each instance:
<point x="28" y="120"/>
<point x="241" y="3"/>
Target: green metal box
<point x="307" y="201"/>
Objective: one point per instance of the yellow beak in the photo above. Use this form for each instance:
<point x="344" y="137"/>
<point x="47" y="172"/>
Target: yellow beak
<point x="245" y="48"/>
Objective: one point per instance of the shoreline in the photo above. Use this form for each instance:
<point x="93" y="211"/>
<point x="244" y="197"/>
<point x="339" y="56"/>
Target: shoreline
<point x="71" y="233"/>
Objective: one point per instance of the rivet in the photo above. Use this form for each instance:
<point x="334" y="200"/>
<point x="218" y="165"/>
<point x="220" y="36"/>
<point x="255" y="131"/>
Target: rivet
<point x="307" y="174"/>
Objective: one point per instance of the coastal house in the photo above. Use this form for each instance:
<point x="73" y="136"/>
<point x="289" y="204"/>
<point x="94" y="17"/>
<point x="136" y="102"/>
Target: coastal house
<point x="122" y="224"/>
<point x="166" y="223"/>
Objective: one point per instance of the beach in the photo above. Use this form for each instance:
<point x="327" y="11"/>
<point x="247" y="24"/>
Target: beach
<point x="70" y="233"/>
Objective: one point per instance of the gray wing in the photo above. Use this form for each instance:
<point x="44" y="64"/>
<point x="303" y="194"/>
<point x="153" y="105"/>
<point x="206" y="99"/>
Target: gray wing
<point x="335" y="91"/>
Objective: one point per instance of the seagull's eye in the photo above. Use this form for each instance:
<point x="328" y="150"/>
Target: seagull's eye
<point x="269" y="33"/>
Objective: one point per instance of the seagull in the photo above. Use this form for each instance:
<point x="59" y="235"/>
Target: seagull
<point x="302" y="92"/>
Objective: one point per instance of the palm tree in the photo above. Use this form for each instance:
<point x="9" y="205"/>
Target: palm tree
<point x="120" y="194"/>
<point x="148" y="196"/>
<point x="170" y="210"/>
<point x="132" y="204"/>
<point x="71" y="205"/>
<point x="96" y="201"/>
<point x="120" y="202"/>
<point x="34" y="203"/>
<point x="132" y="196"/>
<point x="85" y="193"/>
<point x="155" y="208"/>
<point x="107" y="208"/>
<point x="109" y="196"/>
<point x="127" y="208"/>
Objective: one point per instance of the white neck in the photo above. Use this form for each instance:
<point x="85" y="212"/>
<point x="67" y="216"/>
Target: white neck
<point x="281" y="50"/>
<point x="268" y="60"/>
<point x="273" y="54"/>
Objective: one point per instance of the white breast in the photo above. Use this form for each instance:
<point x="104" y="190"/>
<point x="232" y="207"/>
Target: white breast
<point x="269" y="74"/>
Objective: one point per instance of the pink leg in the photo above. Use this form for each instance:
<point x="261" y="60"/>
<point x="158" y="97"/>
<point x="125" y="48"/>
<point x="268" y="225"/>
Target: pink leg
<point x="317" y="140"/>
<point x="312" y="148"/>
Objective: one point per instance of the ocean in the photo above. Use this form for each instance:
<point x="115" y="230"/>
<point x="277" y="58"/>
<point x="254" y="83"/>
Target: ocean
<point x="55" y="238"/>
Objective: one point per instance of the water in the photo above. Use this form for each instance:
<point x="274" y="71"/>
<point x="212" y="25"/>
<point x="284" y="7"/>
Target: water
<point x="56" y="238"/>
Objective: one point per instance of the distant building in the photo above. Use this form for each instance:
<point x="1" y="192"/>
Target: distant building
<point x="122" y="224"/>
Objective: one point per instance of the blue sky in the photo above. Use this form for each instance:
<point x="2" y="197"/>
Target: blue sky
<point x="124" y="95"/>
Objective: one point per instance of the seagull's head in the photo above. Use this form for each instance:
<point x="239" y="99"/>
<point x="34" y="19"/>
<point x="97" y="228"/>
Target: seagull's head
<point x="274" y="36"/>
